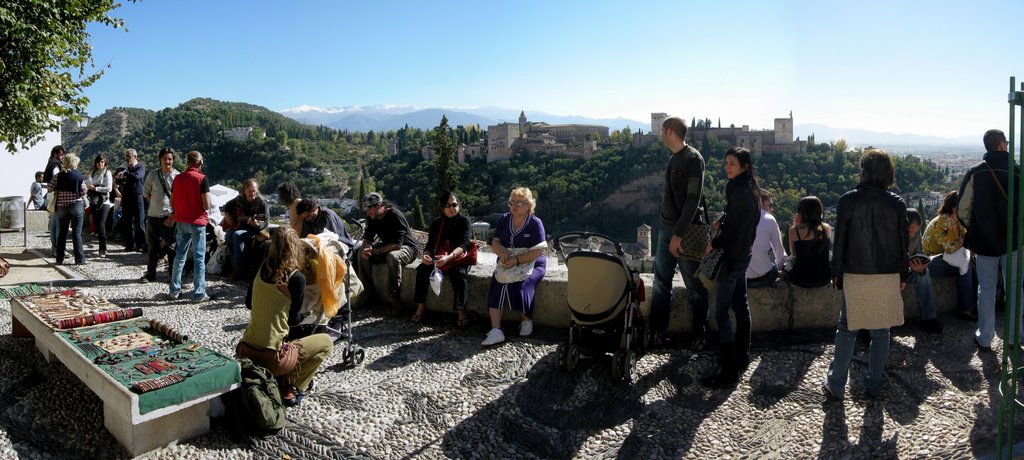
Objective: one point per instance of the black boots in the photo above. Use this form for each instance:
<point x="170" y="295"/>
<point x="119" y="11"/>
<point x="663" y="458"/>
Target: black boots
<point x="728" y="373"/>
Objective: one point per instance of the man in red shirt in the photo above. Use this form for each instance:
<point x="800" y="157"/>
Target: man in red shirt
<point x="190" y="200"/>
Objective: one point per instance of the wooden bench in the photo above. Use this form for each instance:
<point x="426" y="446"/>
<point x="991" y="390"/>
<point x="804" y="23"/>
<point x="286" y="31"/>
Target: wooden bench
<point x="139" y="433"/>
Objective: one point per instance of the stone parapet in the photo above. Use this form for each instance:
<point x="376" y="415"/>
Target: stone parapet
<point x="779" y="308"/>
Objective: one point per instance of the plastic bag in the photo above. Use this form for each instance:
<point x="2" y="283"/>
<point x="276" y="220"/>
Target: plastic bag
<point x="435" y="280"/>
<point x="216" y="264"/>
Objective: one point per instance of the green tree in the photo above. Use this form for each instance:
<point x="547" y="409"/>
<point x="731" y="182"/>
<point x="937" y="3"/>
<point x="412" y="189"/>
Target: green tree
<point x="444" y="161"/>
<point x="418" y="220"/>
<point x="43" y="43"/>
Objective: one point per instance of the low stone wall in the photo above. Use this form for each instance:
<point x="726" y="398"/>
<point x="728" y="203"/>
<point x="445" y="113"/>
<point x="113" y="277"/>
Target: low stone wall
<point x="782" y="307"/>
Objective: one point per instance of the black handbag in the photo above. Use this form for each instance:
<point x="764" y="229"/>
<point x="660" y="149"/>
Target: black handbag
<point x="696" y="238"/>
<point x="96" y="200"/>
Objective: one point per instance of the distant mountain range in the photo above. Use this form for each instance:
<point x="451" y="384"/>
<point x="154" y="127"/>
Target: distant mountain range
<point x="863" y="138"/>
<point x="388" y="117"/>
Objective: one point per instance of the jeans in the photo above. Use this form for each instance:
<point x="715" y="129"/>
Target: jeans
<point x="988" y="271"/>
<point x="190" y="236"/>
<point x="72" y="215"/>
<point x="132" y="224"/>
<point x="665" y="265"/>
<point x="731" y="294"/>
<point x="923" y="287"/>
<point x="237" y="241"/>
<point x="878" y="354"/>
<point x="765" y="280"/>
<point x="966" y="284"/>
<point x="99" y="218"/>
<point x="54" y="228"/>
<point x="156" y="232"/>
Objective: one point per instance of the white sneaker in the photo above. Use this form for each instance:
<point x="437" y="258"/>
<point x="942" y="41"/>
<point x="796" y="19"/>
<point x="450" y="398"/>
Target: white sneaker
<point x="526" y="328"/>
<point x="493" y="337"/>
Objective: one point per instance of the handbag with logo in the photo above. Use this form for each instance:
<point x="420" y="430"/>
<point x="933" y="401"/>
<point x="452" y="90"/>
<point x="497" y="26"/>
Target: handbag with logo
<point x="696" y="237"/>
<point x="467" y="257"/>
<point x="711" y="264"/>
<point x="516" y="273"/>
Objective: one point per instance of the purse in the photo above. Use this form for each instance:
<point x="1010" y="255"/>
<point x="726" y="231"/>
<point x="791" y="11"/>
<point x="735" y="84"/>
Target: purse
<point x="516" y="273"/>
<point x="51" y="202"/>
<point x="711" y="264"/>
<point x="467" y="258"/>
<point x="696" y="237"/>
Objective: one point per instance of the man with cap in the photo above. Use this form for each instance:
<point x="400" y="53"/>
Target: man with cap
<point x="387" y="239"/>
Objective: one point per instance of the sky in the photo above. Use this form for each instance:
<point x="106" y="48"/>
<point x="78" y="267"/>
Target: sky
<point x="936" y="67"/>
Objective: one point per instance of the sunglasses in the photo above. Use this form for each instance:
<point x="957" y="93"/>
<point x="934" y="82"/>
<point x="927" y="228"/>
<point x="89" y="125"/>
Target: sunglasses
<point x="517" y="203"/>
<point x="451" y="205"/>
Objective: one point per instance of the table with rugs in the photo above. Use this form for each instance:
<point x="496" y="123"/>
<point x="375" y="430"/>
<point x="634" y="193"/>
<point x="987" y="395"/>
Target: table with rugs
<point x="155" y="383"/>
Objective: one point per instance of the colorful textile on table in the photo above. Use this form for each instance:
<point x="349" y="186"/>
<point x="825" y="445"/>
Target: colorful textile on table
<point x="21" y="290"/>
<point x="164" y="373"/>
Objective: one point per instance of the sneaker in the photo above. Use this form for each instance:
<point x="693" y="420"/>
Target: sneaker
<point x="202" y="298"/>
<point x="931" y="326"/>
<point x="825" y="390"/>
<point x="982" y="348"/>
<point x="493" y="337"/>
<point x="147" y="279"/>
<point x="526" y="328"/>
<point x="172" y="295"/>
<point x="103" y="254"/>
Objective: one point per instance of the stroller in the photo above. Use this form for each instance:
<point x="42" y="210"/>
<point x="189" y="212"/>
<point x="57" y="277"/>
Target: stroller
<point x="339" y="327"/>
<point x="604" y="297"/>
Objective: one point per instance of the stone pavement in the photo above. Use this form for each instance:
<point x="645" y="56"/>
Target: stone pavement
<point x="430" y="391"/>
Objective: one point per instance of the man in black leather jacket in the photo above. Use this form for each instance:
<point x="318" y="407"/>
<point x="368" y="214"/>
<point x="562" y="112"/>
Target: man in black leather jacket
<point x="870" y="239"/>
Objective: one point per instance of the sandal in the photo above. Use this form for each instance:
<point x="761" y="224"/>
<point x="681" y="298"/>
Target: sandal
<point x="462" y="323"/>
<point x="418" y="317"/>
<point x="296" y="398"/>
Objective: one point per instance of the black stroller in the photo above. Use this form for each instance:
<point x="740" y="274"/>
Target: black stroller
<point x="338" y="327"/>
<point x="604" y="296"/>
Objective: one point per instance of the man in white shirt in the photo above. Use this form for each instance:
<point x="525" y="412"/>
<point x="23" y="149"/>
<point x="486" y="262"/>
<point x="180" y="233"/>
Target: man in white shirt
<point x="763" y="270"/>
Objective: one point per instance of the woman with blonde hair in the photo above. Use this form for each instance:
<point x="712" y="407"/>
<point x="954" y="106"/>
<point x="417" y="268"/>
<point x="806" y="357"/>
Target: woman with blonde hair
<point x="69" y="184"/>
<point x="520" y="243"/>
<point x="275" y="298"/>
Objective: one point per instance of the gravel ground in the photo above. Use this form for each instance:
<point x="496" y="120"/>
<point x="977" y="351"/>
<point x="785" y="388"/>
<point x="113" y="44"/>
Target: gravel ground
<point x="429" y="391"/>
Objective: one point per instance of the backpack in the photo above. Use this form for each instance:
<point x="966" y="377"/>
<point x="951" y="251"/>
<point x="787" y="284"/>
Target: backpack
<point x="259" y="409"/>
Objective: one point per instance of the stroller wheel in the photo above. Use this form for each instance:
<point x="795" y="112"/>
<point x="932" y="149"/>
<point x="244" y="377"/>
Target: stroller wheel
<point x="358" y="356"/>
<point x="618" y="361"/>
<point x="560" y="355"/>
<point x="629" y="366"/>
<point x="572" y="357"/>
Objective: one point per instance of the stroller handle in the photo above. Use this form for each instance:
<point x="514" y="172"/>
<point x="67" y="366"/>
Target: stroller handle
<point x="585" y="235"/>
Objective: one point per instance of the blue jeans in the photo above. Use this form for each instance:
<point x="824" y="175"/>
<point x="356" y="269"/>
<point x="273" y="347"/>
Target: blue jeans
<point x="665" y="265"/>
<point x="923" y="287"/>
<point x="237" y="241"/>
<point x="189" y="236"/>
<point x="988" y="271"/>
<point x="731" y="294"/>
<point x="966" y="284"/>
<point x="54" y="228"/>
<point x="765" y="280"/>
<point x="72" y="215"/>
<point x="878" y="354"/>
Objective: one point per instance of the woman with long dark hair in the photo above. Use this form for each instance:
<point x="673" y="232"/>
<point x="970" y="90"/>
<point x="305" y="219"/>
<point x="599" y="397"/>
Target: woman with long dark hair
<point x="98" y="186"/>
<point x="808" y="245"/>
<point x="448" y="240"/>
<point x="737" y="230"/>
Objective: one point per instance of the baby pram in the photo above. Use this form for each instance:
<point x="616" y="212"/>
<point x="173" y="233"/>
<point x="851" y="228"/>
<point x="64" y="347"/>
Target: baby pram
<point x="319" y="318"/>
<point x="604" y="296"/>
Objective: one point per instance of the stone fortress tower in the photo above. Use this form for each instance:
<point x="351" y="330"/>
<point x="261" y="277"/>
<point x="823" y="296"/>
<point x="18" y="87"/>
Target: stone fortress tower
<point x="784" y="130"/>
<point x="657" y="119"/>
<point x="643" y="238"/>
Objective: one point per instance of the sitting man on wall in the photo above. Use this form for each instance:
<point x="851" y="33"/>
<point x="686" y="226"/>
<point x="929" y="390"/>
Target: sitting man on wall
<point x="919" y="276"/>
<point x="244" y="217"/>
<point x="316" y="219"/>
<point x="764" y="268"/>
<point x="387" y="239"/>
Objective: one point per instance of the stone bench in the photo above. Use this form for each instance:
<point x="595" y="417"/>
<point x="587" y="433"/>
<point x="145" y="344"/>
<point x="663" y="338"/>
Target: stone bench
<point x="139" y="433"/>
<point x="778" y="308"/>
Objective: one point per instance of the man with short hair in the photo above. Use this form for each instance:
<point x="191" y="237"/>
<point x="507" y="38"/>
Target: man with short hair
<point x="37" y="193"/>
<point x="190" y="200"/>
<point x="387" y="239"/>
<point x="764" y="269"/>
<point x="132" y="207"/>
<point x="316" y="219"/>
<point x="982" y="210"/>
<point x="680" y="205"/>
<point x="159" y="220"/>
<point x="919" y="276"/>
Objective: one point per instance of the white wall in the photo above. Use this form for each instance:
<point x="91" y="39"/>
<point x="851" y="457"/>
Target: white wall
<point x="18" y="171"/>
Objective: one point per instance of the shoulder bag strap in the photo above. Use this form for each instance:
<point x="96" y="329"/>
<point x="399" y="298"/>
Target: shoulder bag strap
<point x="440" y="230"/>
<point x="163" y="185"/>
<point x="995" y="178"/>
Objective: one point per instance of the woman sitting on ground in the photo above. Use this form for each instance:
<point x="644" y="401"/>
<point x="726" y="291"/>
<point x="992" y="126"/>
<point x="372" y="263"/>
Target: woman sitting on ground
<point x="945" y="235"/>
<point x="449" y="239"/>
<point x="275" y="298"/>
<point x="519" y="240"/>
<point x="808" y="245"/>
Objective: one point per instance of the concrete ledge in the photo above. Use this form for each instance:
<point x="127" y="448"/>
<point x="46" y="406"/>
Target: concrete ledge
<point x="778" y="308"/>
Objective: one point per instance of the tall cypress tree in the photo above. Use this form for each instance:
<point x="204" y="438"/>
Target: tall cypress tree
<point x="444" y="161"/>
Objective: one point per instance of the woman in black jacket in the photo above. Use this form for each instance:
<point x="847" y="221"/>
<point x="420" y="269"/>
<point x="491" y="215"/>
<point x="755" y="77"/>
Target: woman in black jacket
<point x="448" y="240"/>
<point x="737" y="230"/>
<point x="870" y="265"/>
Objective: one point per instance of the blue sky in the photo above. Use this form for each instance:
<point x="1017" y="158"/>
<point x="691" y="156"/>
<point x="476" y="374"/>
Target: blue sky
<point x="923" y="67"/>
